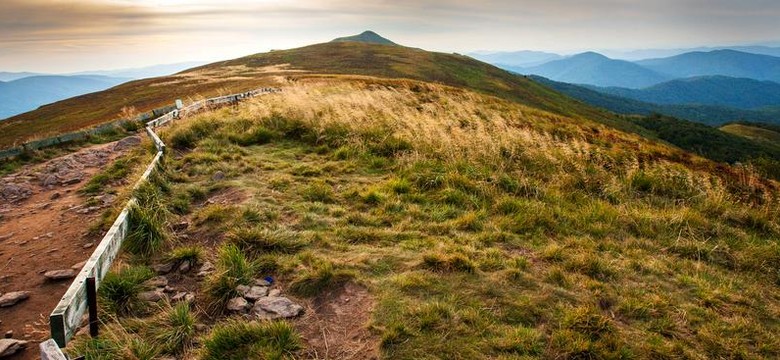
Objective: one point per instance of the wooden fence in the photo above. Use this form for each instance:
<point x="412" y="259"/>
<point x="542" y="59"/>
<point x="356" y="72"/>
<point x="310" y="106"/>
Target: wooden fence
<point x="66" y="318"/>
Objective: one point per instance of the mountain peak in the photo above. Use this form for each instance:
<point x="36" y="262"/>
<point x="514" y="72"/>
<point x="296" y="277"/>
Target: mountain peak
<point x="590" y="55"/>
<point x="367" y="36"/>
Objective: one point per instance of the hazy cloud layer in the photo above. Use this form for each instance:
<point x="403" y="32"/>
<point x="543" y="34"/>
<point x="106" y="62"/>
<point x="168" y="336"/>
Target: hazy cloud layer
<point x="69" y="35"/>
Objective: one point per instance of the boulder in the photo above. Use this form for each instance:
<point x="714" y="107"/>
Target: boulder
<point x="275" y="293"/>
<point x="57" y="275"/>
<point x="157" y="282"/>
<point x="163" y="268"/>
<point x="255" y="293"/>
<point x="185" y="267"/>
<point x="9" y="347"/>
<point x="126" y="143"/>
<point x="271" y="308"/>
<point x="238" y="304"/>
<point x="152" y="296"/>
<point x="12" y="298"/>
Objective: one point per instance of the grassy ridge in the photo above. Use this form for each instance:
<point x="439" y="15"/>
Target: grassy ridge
<point x="265" y="70"/>
<point x="482" y="228"/>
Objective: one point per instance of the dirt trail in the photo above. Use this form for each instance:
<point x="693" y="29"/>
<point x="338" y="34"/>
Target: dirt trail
<point x="43" y="226"/>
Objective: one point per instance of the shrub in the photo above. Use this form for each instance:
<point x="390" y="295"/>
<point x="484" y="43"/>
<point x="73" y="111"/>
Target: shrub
<point x="448" y="263"/>
<point x="232" y="269"/>
<point x="173" y="329"/>
<point x="118" y="290"/>
<point x="255" y="240"/>
<point x="319" y="277"/>
<point x="193" y="254"/>
<point x="236" y="339"/>
<point x="146" y="234"/>
<point x="318" y="192"/>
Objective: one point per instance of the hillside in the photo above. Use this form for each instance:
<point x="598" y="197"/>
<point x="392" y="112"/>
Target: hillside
<point x="726" y="91"/>
<point x="719" y="62"/>
<point x="275" y="67"/>
<point x="596" y="69"/>
<point x="25" y="94"/>
<point x="409" y="218"/>
<point x="763" y="133"/>
<point x="706" y="114"/>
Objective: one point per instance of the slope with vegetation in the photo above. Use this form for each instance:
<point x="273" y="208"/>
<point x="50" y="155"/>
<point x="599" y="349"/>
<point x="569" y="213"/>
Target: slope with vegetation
<point x="475" y="226"/>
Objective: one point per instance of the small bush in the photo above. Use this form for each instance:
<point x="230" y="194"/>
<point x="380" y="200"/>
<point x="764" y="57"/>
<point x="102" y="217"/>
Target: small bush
<point x="448" y="263"/>
<point x="258" y="241"/>
<point x="193" y="254"/>
<point x="232" y="269"/>
<point x="318" y="192"/>
<point x="146" y="234"/>
<point x="320" y="276"/>
<point x="238" y="340"/>
<point x="118" y="290"/>
<point x="173" y="329"/>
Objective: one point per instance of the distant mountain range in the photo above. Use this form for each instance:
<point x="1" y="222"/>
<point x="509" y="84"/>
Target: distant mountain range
<point x="720" y="62"/>
<point x="28" y="93"/>
<point x="516" y="59"/>
<point x="705" y="90"/>
<point x="635" y="55"/>
<point x="707" y="114"/>
<point x="595" y="69"/>
<point x="24" y="91"/>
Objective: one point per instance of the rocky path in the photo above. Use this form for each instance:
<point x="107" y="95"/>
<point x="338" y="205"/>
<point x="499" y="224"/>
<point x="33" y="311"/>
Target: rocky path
<point x="43" y="238"/>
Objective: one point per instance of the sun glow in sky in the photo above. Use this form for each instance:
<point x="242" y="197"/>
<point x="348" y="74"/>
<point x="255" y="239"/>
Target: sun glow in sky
<point x="75" y="35"/>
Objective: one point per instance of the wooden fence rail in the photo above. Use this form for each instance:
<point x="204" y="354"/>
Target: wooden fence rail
<point x="66" y="318"/>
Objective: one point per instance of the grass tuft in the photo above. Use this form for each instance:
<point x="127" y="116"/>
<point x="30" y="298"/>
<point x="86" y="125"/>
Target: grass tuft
<point x="238" y="340"/>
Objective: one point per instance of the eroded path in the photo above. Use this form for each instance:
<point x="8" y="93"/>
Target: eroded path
<point x="44" y="224"/>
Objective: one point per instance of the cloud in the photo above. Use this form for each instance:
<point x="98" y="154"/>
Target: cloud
<point x="131" y="31"/>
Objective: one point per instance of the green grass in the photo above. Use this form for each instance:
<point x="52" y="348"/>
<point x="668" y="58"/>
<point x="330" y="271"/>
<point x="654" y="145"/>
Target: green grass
<point x="118" y="290"/>
<point x="235" y="339"/>
<point x="173" y="329"/>
<point x="258" y="241"/>
<point x="232" y="269"/>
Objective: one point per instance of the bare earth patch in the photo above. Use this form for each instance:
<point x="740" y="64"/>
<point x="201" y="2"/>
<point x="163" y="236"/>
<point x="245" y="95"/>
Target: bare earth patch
<point x="335" y="325"/>
<point x="43" y="226"/>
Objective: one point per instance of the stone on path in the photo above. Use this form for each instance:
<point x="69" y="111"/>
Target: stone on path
<point x="152" y="296"/>
<point x="271" y="308"/>
<point x="12" y="298"/>
<point x="238" y="304"/>
<point x="9" y="347"/>
<point x="255" y="293"/>
<point x="57" y="275"/>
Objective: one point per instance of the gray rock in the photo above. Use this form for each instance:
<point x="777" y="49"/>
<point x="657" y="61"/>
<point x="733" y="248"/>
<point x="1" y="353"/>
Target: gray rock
<point x="242" y="289"/>
<point x="55" y="196"/>
<point x="9" y="334"/>
<point x="180" y="296"/>
<point x="275" y="293"/>
<point x="238" y="304"/>
<point x="163" y="268"/>
<point x="185" y="267"/>
<point x="255" y="293"/>
<point x="79" y="266"/>
<point x="49" y="180"/>
<point x="157" y="282"/>
<point x="126" y="143"/>
<point x="206" y="269"/>
<point x="9" y="347"/>
<point x="152" y="296"/>
<point x="12" y="298"/>
<point x="57" y="275"/>
<point x="73" y="180"/>
<point x="262" y="282"/>
<point x="270" y="308"/>
<point x="219" y="175"/>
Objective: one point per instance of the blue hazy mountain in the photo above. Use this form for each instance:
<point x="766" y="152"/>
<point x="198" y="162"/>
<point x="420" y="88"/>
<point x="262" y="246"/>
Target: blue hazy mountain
<point x="524" y="58"/>
<point x="719" y="62"/>
<point x="591" y="68"/>
<point x="25" y="94"/>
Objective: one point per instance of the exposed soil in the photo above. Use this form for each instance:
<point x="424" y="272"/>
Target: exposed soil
<point x="335" y="325"/>
<point x="43" y="226"/>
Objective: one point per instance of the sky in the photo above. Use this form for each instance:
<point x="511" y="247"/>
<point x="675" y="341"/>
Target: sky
<point x="62" y="36"/>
